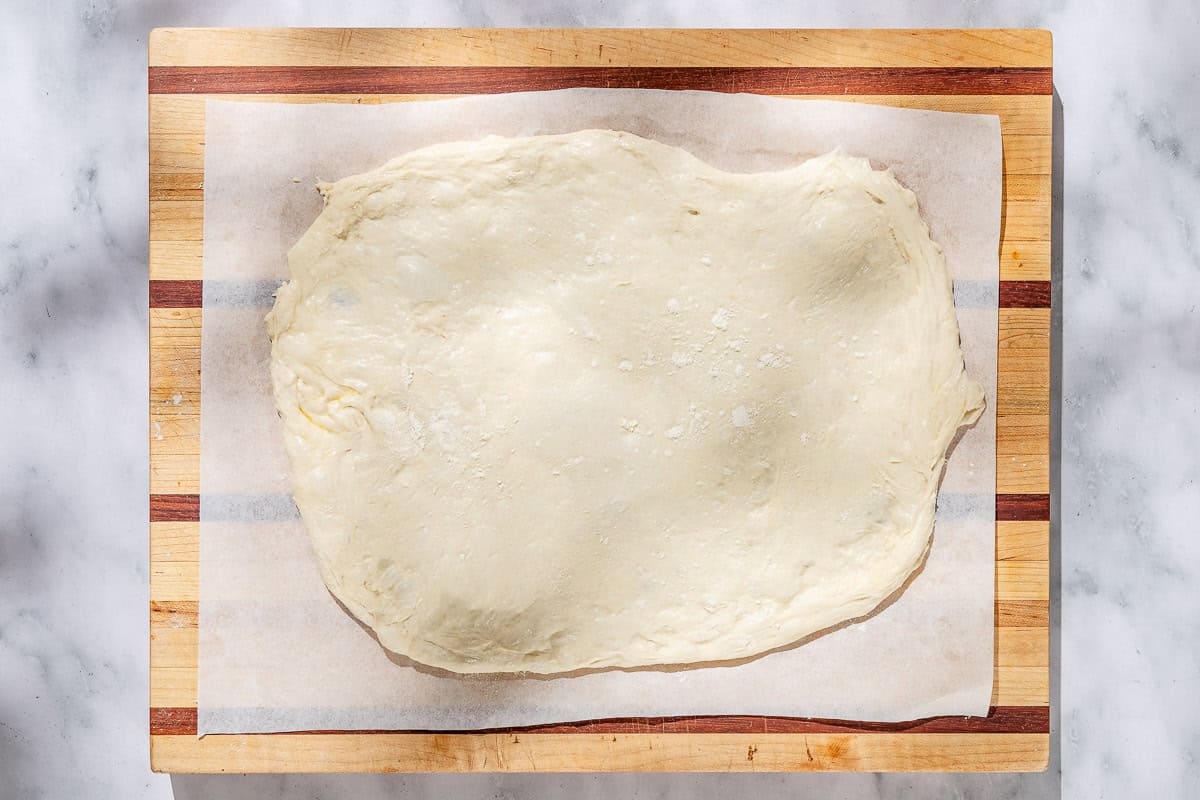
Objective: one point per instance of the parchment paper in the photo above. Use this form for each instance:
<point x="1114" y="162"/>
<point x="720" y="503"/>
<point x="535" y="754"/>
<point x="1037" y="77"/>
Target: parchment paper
<point x="278" y="653"/>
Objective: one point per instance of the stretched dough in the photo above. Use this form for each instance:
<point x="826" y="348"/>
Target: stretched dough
<point x="583" y="401"/>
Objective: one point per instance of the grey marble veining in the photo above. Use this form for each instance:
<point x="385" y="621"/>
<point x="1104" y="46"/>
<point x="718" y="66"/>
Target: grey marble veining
<point x="73" y="561"/>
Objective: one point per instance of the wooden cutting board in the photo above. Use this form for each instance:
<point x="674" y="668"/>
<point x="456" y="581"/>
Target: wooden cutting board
<point x="1004" y="72"/>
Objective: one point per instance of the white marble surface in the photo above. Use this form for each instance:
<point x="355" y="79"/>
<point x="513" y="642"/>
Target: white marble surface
<point x="73" y="571"/>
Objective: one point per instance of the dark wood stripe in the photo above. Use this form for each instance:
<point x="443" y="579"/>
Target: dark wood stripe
<point x="172" y="721"/>
<point x="1022" y="507"/>
<point x="176" y="294"/>
<point x="1003" y="719"/>
<point x="492" y="80"/>
<point x="1008" y="719"/>
<point x="1024" y="294"/>
<point x="174" y="508"/>
<point x="1009" y="507"/>
<point x="190" y="294"/>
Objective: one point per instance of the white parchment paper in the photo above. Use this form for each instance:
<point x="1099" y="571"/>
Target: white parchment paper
<point x="278" y="653"/>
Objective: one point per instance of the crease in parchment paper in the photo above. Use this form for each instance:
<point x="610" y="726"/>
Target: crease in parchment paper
<point x="277" y="653"/>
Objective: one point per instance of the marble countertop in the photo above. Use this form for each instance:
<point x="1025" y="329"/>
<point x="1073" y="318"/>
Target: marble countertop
<point x="73" y="555"/>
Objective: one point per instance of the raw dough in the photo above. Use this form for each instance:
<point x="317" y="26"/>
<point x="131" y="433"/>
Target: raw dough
<point x="584" y="401"/>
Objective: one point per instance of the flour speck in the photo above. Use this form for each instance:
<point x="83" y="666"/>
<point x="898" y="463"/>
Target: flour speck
<point x="741" y="417"/>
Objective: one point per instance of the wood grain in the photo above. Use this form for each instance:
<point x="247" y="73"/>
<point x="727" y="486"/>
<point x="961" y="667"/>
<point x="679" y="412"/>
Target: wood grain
<point x="1022" y="613"/>
<point x="1023" y="259"/>
<point x="174" y="400"/>
<point x="939" y="70"/>
<point x="1023" y="540"/>
<point x="1020" y="646"/>
<point x="1023" y="686"/>
<point x="612" y="47"/>
<point x="623" y="752"/>
<point x="172" y="541"/>
<point x="174" y="584"/>
<point x="1022" y="580"/>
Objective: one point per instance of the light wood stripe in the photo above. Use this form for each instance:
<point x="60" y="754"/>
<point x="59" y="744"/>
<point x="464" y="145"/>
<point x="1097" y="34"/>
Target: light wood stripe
<point x="1023" y="541"/>
<point x="634" y="752"/>
<point x="1022" y="580"/>
<point x="1025" y="334"/>
<point x="169" y="685"/>
<point x="177" y="186"/>
<point x="177" y="153"/>
<point x="174" y="400"/>
<point x="175" y="348"/>
<point x="174" y="637"/>
<point x="1033" y="190"/>
<point x="177" y="220"/>
<point x="1025" y="260"/>
<point x="611" y="47"/>
<point x="173" y="582"/>
<point x="178" y="469"/>
<point x="1026" y="391"/>
<point x="1022" y="647"/>
<point x="177" y="541"/>
<point x="174" y="471"/>
<point x="1021" y="686"/>
<point x="1021" y="435"/>
<point x="182" y="260"/>
<point x="1022" y="613"/>
<point x="1024" y="474"/>
<point x="1026" y="156"/>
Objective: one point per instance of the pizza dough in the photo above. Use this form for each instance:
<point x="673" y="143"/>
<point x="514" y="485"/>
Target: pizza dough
<point x="583" y="401"/>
